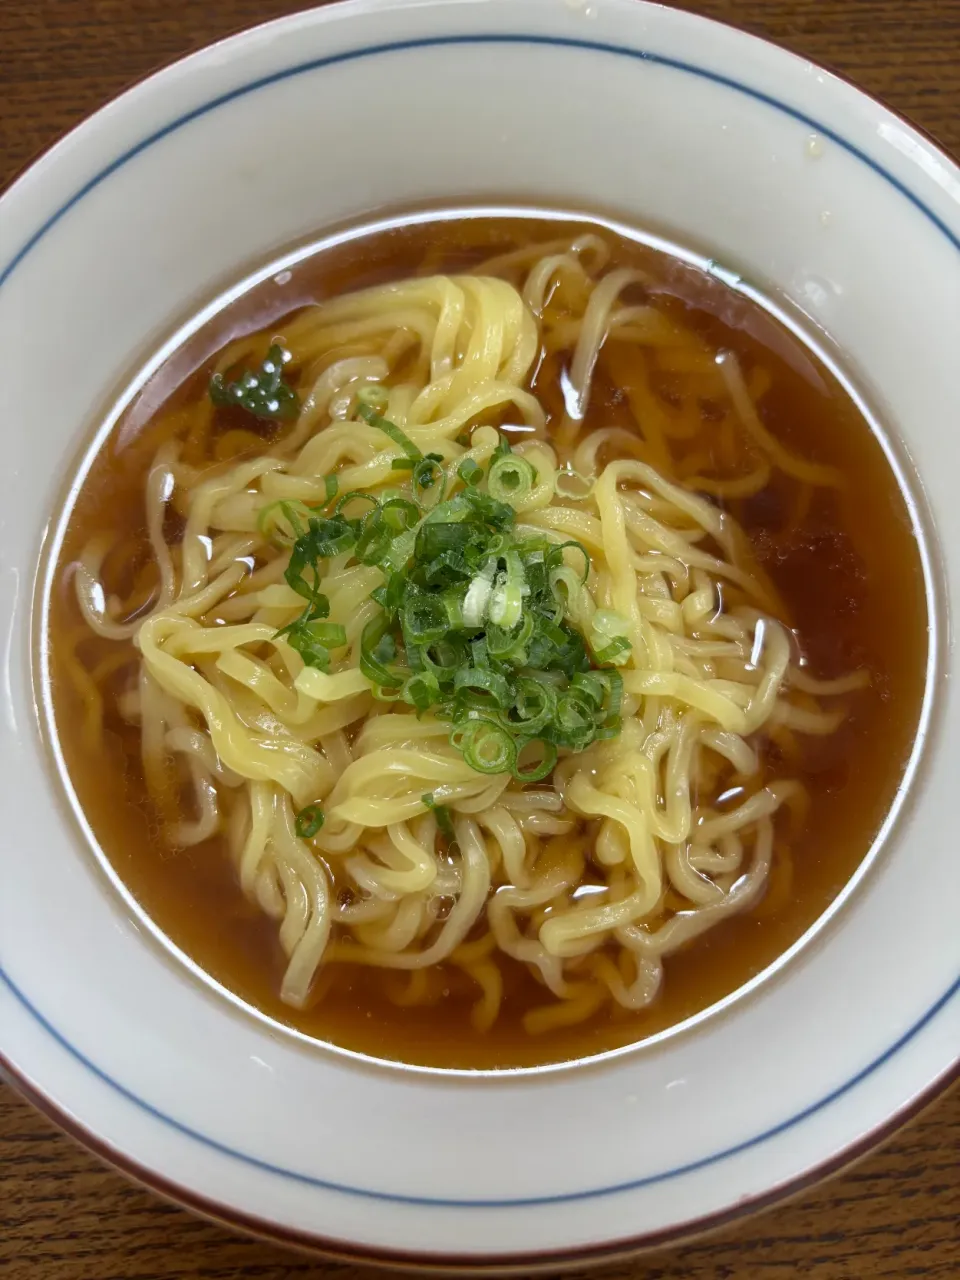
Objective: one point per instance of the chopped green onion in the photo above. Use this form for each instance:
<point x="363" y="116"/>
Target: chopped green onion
<point x="421" y="691"/>
<point x="510" y="645"/>
<point x="268" y="525"/>
<point x="594" y="685"/>
<point x="482" y="687"/>
<point x="617" y="652"/>
<point x="423" y="618"/>
<point x="453" y="606"/>
<point x="555" y="556"/>
<point x="510" y="479"/>
<point x="506" y="599"/>
<point x="609" y="637"/>
<point x="427" y="474"/>
<point x="538" y="768"/>
<point x="535" y="705"/>
<point x="478" y="595"/>
<point x="399" y="514"/>
<point x="371" y="416"/>
<point x="398" y="554"/>
<point x="487" y="747"/>
<point x="564" y="576"/>
<point x="331" y="634"/>
<point x="437" y="536"/>
<point x="377" y="648"/>
<point x="350" y="496"/>
<point x="442" y="815"/>
<point x="475" y="620"/>
<point x="428" y="471"/>
<point x="489" y="509"/>
<point x="605" y="622"/>
<point x="309" y="821"/>
<point x="313" y="638"/>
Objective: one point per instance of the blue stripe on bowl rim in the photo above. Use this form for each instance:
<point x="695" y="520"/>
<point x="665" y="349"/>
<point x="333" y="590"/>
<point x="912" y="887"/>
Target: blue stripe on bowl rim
<point x="522" y="1202"/>
<point x="354" y="55"/>
<point x="427" y="42"/>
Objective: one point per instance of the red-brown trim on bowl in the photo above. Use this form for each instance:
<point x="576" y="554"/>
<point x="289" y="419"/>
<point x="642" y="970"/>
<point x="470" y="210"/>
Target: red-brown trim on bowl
<point x="459" y="1264"/>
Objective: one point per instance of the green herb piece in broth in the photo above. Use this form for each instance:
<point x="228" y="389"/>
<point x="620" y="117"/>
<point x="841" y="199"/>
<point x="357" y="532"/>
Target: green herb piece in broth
<point x="442" y="815"/>
<point x="264" y="394"/>
<point x="309" y="821"/>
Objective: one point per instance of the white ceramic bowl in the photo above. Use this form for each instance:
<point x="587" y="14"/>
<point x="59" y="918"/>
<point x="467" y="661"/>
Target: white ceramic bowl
<point x="147" y="211"/>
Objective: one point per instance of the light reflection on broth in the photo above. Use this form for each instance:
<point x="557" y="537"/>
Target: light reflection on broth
<point x="752" y="828"/>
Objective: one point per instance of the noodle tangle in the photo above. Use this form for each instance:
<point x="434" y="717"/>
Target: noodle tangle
<point x="590" y="877"/>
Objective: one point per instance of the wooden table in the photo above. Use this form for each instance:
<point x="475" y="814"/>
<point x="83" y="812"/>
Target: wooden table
<point x="63" y="1216"/>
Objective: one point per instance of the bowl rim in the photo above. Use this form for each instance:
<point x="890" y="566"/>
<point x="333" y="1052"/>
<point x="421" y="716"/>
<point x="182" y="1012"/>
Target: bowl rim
<point x="263" y="29"/>
<point x="317" y="1245"/>
<point x="312" y="1242"/>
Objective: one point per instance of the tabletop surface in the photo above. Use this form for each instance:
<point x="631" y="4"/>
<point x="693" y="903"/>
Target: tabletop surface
<point x="63" y="1215"/>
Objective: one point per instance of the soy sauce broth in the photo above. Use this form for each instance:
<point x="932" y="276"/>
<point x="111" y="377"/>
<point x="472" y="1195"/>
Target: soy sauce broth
<point x="845" y="562"/>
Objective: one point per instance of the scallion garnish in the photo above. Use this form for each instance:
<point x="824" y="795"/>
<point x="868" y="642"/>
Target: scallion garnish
<point x="470" y="472"/>
<point x="271" y="518"/>
<point x="488" y="747"/>
<point x="510" y="478"/>
<point x="474" y="618"/>
<point x="309" y="821"/>
<point x="608" y="638"/>
<point x="264" y="393"/>
<point x="369" y="414"/>
<point x="428" y="472"/>
<point x="313" y="638"/>
<point x="442" y="815"/>
<point x="506" y="599"/>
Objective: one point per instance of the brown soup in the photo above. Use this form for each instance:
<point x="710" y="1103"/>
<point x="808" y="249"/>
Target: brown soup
<point x="845" y="562"/>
